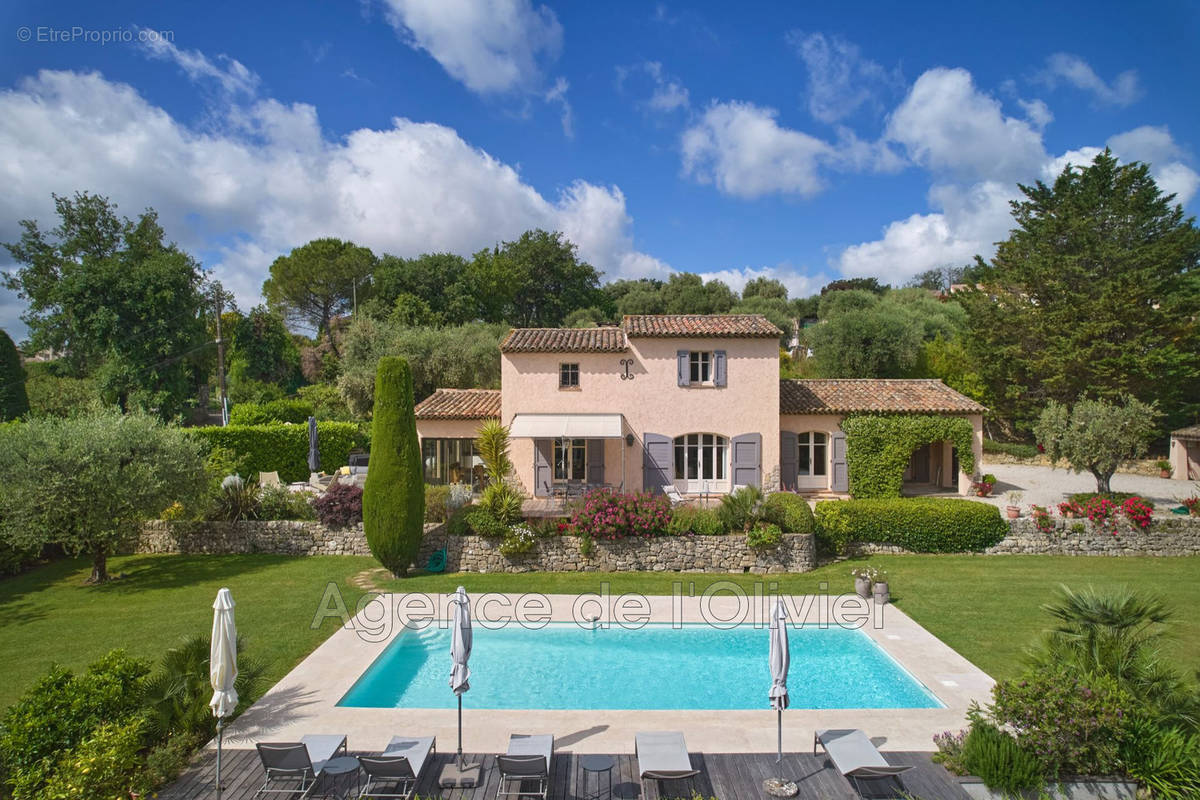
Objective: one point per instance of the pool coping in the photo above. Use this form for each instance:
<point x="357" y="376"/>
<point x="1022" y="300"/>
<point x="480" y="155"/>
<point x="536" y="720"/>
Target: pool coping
<point x="305" y="700"/>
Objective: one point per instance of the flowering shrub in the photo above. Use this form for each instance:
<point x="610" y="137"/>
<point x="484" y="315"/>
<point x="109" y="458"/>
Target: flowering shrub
<point x="1138" y="512"/>
<point x="607" y="514"/>
<point x="1041" y="518"/>
<point x="1102" y="513"/>
<point x="519" y="539"/>
<point x="339" y="506"/>
<point x="950" y="751"/>
<point x="1192" y="504"/>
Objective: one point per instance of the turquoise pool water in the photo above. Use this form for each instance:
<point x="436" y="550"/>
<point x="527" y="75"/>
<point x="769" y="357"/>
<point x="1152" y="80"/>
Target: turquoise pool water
<point x="563" y="666"/>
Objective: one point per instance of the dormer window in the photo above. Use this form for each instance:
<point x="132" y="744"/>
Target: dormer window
<point x="700" y="366"/>
<point x="568" y="376"/>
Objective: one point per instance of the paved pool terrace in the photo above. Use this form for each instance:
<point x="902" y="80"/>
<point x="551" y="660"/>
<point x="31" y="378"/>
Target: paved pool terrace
<point x="306" y="699"/>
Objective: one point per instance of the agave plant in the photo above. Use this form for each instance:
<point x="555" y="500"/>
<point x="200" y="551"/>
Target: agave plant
<point x="177" y="695"/>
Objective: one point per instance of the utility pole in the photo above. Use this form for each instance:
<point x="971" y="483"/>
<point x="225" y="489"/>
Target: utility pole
<point x="221" y="364"/>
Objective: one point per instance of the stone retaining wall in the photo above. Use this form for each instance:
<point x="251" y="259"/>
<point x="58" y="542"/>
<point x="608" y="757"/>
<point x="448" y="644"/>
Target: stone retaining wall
<point x="481" y="554"/>
<point x="1166" y="536"/>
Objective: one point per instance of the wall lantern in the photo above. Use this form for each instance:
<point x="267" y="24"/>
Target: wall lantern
<point x="629" y="440"/>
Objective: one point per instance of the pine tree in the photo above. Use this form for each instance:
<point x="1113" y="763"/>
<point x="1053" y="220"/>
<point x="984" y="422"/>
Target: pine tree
<point x="394" y="495"/>
<point x="13" y="400"/>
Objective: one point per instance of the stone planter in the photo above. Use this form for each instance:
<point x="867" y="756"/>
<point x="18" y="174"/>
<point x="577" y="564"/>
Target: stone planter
<point x="882" y="595"/>
<point x="862" y="587"/>
<point x="1079" y="789"/>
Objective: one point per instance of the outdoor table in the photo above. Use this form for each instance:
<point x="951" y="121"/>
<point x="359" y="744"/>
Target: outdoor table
<point x="341" y="775"/>
<point x="597" y="764"/>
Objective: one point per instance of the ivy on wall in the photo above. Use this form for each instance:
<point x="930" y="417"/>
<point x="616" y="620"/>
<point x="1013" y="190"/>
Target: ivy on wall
<point x="879" y="446"/>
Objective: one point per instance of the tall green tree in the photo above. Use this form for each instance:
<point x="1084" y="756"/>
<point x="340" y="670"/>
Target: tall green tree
<point x="764" y="287"/>
<point x="14" y="403"/>
<point x="1095" y="291"/>
<point x="88" y="482"/>
<point x="116" y="299"/>
<point x="1097" y="436"/>
<point x="394" y="494"/>
<point x="534" y="281"/>
<point x="862" y="284"/>
<point x="688" y="293"/>
<point x="880" y="341"/>
<point x="318" y="281"/>
<point x="440" y="280"/>
<point x="264" y="348"/>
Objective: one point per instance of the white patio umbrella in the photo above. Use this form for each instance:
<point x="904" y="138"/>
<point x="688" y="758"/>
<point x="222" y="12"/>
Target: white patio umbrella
<point x="460" y="673"/>
<point x="780" y="659"/>
<point x="222" y="667"/>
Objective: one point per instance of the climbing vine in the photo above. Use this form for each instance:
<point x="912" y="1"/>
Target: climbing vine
<point x="879" y="446"/>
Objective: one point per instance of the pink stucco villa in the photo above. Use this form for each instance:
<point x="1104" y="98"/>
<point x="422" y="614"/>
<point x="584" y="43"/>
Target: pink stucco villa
<point x="693" y="401"/>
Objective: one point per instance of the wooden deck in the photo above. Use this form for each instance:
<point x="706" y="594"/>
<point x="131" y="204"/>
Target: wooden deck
<point x="726" y="776"/>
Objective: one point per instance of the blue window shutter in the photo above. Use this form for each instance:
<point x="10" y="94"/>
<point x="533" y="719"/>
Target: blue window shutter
<point x="543" y="452"/>
<point x="840" y="479"/>
<point x="747" y="459"/>
<point x="718" y="368"/>
<point x="684" y="373"/>
<point x="788" y="459"/>
<point x="657" y="454"/>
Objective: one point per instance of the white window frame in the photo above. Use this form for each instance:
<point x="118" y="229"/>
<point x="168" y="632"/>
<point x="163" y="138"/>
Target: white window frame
<point x="812" y="459"/>
<point x="701" y="370"/>
<point x="564" y="469"/>
<point x="701" y="463"/>
<point x="566" y="369"/>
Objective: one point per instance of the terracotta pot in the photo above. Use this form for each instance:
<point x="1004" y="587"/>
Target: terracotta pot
<point x="862" y="587"/>
<point x="1014" y="512"/>
<point x="1164" y="473"/>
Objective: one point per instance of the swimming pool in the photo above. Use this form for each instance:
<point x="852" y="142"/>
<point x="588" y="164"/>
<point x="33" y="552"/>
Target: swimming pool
<point x="564" y="666"/>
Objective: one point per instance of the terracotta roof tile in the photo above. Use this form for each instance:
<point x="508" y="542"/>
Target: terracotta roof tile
<point x="1190" y="432"/>
<point x="848" y="395"/>
<point x="608" y="339"/>
<point x="700" y="325"/>
<point x="460" y="404"/>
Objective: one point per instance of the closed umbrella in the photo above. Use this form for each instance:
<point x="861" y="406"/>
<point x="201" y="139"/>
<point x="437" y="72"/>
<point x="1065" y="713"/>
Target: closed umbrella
<point x="780" y="659"/>
<point x="314" y="453"/>
<point x="222" y="667"/>
<point x="460" y="774"/>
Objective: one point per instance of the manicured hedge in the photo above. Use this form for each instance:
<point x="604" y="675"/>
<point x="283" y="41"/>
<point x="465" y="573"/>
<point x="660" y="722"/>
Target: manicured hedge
<point x="789" y="511"/>
<point x="921" y="525"/>
<point x="294" y="411"/>
<point x="879" y="446"/>
<point x="284" y="448"/>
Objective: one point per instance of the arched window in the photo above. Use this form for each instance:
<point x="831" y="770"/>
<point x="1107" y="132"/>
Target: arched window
<point x="699" y="458"/>
<point x="813" y="454"/>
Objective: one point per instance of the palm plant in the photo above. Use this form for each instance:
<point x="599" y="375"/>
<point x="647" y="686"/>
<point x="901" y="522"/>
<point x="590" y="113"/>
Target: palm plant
<point x="742" y="510"/>
<point x="492" y="444"/>
<point x="1118" y="633"/>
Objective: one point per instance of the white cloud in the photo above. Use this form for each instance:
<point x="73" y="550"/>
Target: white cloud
<point x="264" y="178"/>
<point x="1074" y="71"/>
<point x="840" y="80"/>
<point x="667" y="93"/>
<point x="231" y="75"/>
<point x="798" y="284"/>
<point x="949" y="126"/>
<point x="558" y="94"/>
<point x="488" y="45"/>
<point x="742" y="150"/>
<point x="1037" y="113"/>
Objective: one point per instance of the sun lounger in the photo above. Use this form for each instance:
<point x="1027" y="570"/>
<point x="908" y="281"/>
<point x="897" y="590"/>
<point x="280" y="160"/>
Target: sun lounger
<point x="297" y="764"/>
<point x="394" y="774"/>
<point x="266" y="479"/>
<point x="673" y="495"/>
<point x="663" y="756"/>
<point x="855" y="757"/>
<point x="527" y="759"/>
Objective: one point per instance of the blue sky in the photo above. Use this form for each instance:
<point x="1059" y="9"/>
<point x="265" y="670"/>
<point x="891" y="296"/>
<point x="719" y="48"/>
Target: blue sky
<point x="800" y="141"/>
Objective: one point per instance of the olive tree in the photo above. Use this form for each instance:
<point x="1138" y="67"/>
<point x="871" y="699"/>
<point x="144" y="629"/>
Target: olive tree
<point x="88" y="482"/>
<point x="1097" y="436"/>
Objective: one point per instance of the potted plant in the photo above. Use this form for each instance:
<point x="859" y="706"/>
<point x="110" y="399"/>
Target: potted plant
<point x="880" y="587"/>
<point x="1013" y="508"/>
<point x="863" y="577"/>
<point x="1164" y="468"/>
<point x="1071" y="509"/>
<point x="983" y="486"/>
<point x="1192" y="504"/>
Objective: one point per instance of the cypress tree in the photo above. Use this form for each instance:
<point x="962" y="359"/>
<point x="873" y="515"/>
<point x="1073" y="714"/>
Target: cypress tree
<point x="13" y="400"/>
<point x="394" y="494"/>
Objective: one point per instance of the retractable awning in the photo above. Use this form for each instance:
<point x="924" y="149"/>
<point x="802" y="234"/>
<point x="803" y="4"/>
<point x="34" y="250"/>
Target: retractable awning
<point x="568" y="426"/>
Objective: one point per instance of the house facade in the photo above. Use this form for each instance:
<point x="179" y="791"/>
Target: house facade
<point x="693" y="401"/>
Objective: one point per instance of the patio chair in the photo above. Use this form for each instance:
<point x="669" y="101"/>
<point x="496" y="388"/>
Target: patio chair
<point x="663" y="756"/>
<point x="673" y="495"/>
<point x="394" y="774"/>
<point x="527" y="760"/>
<point x="266" y="479"/>
<point x="856" y="758"/>
<point x="292" y="767"/>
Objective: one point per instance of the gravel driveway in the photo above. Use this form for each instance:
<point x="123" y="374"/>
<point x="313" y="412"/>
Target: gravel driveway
<point x="1045" y="486"/>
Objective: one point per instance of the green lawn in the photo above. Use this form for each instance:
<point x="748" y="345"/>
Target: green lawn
<point x="987" y="608"/>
